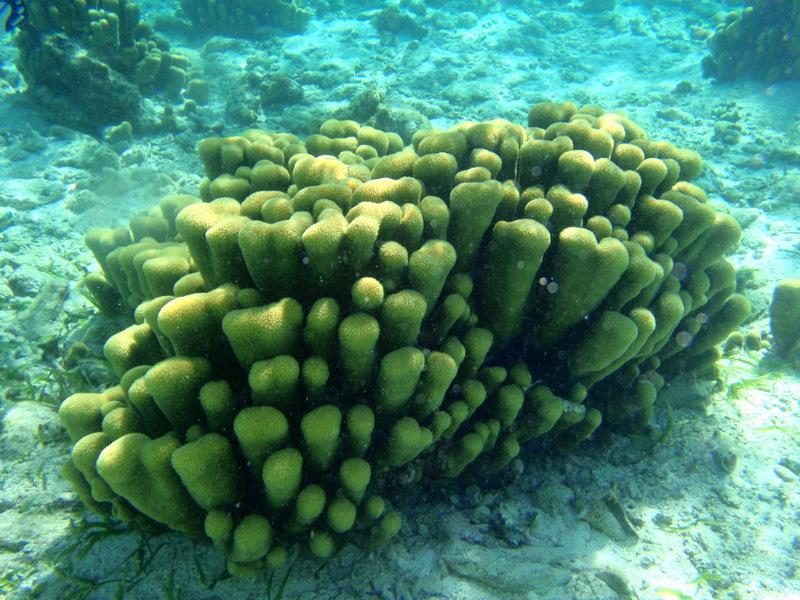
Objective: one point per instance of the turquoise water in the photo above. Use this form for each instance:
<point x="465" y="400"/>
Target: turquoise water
<point x="686" y="489"/>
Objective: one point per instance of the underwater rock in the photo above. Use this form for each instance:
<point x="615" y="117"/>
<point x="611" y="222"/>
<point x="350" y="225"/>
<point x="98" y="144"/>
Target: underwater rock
<point x="28" y="194"/>
<point x="552" y="497"/>
<point x="513" y="573"/>
<point x="510" y="525"/>
<point x="619" y="584"/>
<point x="119" y="136"/>
<point x="784" y="474"/>
<point x="8" y="217"/>
<point x="609" y="516"/>
<point x="723" y="453"/>
<point x="393" y="20"/>
<point x="280" y="91"/>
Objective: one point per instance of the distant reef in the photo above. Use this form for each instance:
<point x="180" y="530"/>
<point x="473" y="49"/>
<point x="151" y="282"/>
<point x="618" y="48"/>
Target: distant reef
<point x="784" y="320"/>
<point x="760" y="41"/>
<point x="88" y="64"/>
<point x="245" y="18"/>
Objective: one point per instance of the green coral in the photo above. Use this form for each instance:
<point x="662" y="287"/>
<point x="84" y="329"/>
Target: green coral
<point x="366" y="310"/>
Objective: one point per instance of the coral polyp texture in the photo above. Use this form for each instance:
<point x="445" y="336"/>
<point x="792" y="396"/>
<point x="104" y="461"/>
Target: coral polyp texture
<point x="337" y="318"/>
<point x="760" y="41"/>
<point x="248" y="18"/>
<point x="91" y="62"/>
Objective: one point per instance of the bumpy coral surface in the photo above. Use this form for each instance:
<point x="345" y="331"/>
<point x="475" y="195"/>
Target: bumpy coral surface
<point x="761" y="41"/>
<point x="90" y="62"/>
<point x="335" y="318"/>
<point x="245" y="17"/>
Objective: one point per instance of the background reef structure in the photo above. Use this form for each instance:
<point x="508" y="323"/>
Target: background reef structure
<point x="760" y="41"/>
<point x="89" y="63"/>
<point x="337" y="318"/>
<point x="248" y="18"/>
<point x="784" y="320"/>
